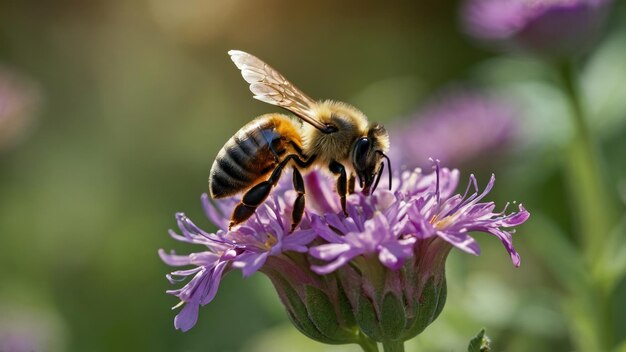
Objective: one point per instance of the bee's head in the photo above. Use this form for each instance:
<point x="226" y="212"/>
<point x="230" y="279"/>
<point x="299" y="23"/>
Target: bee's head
<point x="367" y="157"/>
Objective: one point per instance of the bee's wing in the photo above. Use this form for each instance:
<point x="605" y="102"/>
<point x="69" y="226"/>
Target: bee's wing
<point x="269" y="86"/>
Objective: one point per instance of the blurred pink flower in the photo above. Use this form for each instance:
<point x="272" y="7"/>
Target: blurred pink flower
<point x="553" y="28"/>
<point x="19" y="98"/>
<point x="458" y="127"/>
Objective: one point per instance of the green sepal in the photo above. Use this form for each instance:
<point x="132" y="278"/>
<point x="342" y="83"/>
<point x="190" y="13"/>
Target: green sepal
<point x="392" y="317"/>
<point x="367" y="319"/>
<point x="346" y="313"/>
<point x="298" y="314"/>
<point x="429" y="306"/>
<point x="324" y="316"/>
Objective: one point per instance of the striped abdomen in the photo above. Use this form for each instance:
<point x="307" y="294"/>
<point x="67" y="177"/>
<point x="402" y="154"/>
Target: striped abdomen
<point x="252" y="153"/>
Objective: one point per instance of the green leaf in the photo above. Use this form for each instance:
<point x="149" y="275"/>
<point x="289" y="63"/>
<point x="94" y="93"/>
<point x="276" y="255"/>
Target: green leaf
<point x="480" y="343"/>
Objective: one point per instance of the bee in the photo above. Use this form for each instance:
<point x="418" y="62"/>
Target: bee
<point x="328" y="134"/>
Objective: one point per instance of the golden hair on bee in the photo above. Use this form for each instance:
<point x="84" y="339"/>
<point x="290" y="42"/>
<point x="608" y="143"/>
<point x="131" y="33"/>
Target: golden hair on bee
<point x="332" y="135"/>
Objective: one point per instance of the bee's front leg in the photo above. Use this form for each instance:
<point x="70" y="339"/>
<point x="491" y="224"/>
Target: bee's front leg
<point x="298" y="204"/>
<point x="342" y="182"/>
<point x="351" y="183"/>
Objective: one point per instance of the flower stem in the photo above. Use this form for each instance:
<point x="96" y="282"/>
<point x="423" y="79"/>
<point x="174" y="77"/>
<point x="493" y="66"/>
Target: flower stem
<point x="368" y="345"/>
<point x="591" y="205"/>
<point x="393" y="346"/>
<point x="591" y="201"/>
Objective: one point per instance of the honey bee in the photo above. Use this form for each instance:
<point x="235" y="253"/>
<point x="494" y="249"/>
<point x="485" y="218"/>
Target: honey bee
<point x="334" y="135"/>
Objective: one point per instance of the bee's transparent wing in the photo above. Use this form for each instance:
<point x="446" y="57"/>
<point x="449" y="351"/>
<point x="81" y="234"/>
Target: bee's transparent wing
<point x="269" y="86"/>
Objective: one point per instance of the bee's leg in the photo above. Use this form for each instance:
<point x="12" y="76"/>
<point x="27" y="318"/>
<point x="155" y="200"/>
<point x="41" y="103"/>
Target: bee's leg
<point x="342" y="182"/>
<point x="298" y="205"/>
<point x="351" y="182"/>
<point x="257" y="194"/>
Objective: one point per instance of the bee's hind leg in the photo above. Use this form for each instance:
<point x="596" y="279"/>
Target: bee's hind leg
<point x="257" y="194"/>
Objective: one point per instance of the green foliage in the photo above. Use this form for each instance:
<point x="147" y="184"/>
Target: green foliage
<point x="480" y="343"/>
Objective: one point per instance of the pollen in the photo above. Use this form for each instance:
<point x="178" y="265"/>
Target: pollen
<point x="443" y="223"/>
<point x="270" y="241"/>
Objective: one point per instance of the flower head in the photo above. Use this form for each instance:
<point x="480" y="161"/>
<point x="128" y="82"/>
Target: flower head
<point x="554" y="28"/>
<point x="375" y="274"/>
<point x="472" y="124"/>
<point x="390" y="223"/>
<point x="247" y="248"/>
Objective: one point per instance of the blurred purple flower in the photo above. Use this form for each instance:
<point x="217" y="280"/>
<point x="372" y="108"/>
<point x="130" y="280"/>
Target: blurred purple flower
<point x="458" y="127"/>
<point x="19" y="98"/>
<point x="30" y="328"/>
<point x="553" y="28"/>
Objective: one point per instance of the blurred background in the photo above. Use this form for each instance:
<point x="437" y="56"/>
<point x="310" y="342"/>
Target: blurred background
<point x="111" y="113"/>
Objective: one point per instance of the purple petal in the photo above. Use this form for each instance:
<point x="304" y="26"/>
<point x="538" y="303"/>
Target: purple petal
<point x="334" y="265"/>
<point x="492" y="181"/>
<point x="390" y="259"/>
<point x="318" y="196"/>
<point x="324" y="231"/>
<point x="384" y="199"/>
<point x="393" y="254"/>
<point x="516" y="218"/>
<point x="298" y="240"/>
<point x="329" y="251"/>
<point x="173" y="259"/>
<point x="204" y="258"/>
<point x="507" y="241"/>
<point x="213" y="283"/>
<point x="187" y="317"/>
<point x="211" y="212"/>
<point x="460" y="240"/>
<point x="186" y="272"/>
<point x="250" y="263"/>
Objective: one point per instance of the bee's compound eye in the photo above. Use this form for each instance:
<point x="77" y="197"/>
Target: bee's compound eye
<point x="361" y="149"/>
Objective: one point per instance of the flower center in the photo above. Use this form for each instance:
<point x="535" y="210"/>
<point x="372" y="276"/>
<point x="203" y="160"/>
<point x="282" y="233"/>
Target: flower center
<point x="441" y="224"/>
<point x="270" y="241"/>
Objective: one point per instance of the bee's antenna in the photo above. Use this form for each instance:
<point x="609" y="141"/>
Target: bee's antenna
<point x="388" y="166"/>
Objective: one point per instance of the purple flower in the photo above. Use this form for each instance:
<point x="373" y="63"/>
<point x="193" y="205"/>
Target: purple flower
<point x="207" y="271"/>
<point x="373" y="235"/>
<point x="422" y="207"/>
<point x="246" y="248"/>
<point x="554" y="28"/>
<point x="268" y="235"/>
<point x="458" y="127"/>
<point x="375" y="274"/>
